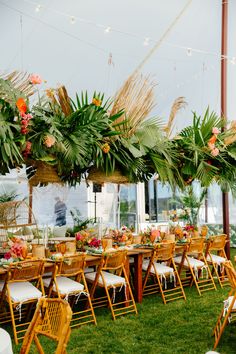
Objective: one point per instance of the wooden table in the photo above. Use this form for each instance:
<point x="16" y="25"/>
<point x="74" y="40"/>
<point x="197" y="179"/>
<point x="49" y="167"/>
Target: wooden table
<point x="138" y="254"/>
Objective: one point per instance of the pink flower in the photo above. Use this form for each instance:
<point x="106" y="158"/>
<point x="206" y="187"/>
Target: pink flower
<point x="215" y="152"/>
<point x="78" y="236"/>
<point x="215" y="130"/>
<point x="49" y="141"/>
<point x="211" y="146"/>
<point x="29" y="116"/>
<point x="35" y="79"/>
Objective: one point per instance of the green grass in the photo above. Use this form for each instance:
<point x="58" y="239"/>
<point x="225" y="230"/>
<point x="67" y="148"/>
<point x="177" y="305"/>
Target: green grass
<point x="176" y="328"/>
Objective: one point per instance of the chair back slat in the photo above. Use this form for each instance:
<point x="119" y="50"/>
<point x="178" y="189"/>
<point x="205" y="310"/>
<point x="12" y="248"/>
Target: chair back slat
<point x="54" y="315"/>
<point x="52" y="319"/>
<point x="231" y="274"/>
<point x="114" y="260"/>
<point x="164" y="251"/>
<point x="218" y="242"/>
<point x="196" y="245"/>
<point x="71" y="265"/>
<point x="26" y="270"/>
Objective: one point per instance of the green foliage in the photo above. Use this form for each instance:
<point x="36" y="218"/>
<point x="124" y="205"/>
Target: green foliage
<point x="8" y="196"/>
<point x="191" y="203"/>
<point x="195" y="158"/>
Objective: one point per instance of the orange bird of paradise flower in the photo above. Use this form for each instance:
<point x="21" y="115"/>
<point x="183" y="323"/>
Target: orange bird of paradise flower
<point x="21" y="105"/>
<point x="96" y="102"/>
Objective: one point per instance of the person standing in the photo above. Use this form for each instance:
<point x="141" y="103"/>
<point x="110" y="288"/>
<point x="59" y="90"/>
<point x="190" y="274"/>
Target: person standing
<point x="60" y="212"/>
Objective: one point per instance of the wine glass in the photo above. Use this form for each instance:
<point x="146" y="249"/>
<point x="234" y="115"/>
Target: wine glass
<point x="104" y="242"/>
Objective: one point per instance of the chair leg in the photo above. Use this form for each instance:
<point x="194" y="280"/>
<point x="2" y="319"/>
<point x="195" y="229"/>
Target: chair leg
<point x="110" y="302"/>
<point x="195" y="280"/>
<point x="13" y="319"/>
<point x="130" y="293"/>
<point x="38" y="345"/>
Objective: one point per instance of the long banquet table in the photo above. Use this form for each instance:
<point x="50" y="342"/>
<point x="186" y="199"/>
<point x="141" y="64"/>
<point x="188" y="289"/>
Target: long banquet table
<point x="91" y="260"/>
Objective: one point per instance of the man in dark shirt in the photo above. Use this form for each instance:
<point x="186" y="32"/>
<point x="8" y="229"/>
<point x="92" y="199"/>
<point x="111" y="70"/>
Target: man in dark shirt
<point x="60" y="212"/>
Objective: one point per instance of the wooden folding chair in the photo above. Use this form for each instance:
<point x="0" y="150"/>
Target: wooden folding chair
<point x="51" y="319"/>
<point x="68" y="282"/>
<point x="165" y="278"/>
<point x="111" y="276"/>
<point x="192" y="266"/>
<point x="217" y="244"/>
<point x="21" y="288"/>
<point x="228" y="313"/>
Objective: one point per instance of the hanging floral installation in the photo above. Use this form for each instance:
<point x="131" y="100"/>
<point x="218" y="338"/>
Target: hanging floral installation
<point x="63" y="140"/>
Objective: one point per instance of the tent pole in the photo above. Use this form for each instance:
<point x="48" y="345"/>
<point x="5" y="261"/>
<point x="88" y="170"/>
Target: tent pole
<point x="224" y="38"/>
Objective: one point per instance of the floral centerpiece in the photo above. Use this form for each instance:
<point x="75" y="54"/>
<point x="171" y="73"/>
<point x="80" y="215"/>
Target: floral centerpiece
<point x="85" y="239"/>
<point x="150" y="235"/>
<point x="18" y="249"/>
<point x="124" y="235"/>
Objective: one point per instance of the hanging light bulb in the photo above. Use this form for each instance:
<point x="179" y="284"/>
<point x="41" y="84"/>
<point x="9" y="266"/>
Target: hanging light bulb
<point x="189" y="52"/>
<point x="72" y="20"/>
<point x="38" y="8"/>
<point x="233" y="61"/>
<point x="146" y="42"/>
<point x="107" y="30"/>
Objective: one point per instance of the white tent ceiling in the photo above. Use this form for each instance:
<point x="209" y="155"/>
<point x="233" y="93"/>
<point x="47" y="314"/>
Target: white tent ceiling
<point x="77" y="55"/>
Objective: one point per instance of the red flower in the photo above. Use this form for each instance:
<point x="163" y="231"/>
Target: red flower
<point x="7" y="255"/>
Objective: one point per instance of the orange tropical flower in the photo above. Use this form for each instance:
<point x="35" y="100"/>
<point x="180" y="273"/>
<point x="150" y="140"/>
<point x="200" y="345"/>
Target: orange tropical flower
<point x="106" y="148"/>
<point x="21" y="105"/>
<point x="49" y="141"/>
<point x="212" y="140"/>
<point x="96" y="102"/>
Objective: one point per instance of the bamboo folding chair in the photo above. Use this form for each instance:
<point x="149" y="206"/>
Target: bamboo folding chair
<point x="111" y="276"/>
<point x="217" y="244"/>
<point x="51" y="319"/>
<point x="24" y="279"/>
<point x="68" y="282"/>
<point x="162" y="269"/>
<point x="192" y="265"/>
<point x="228" y="313"/>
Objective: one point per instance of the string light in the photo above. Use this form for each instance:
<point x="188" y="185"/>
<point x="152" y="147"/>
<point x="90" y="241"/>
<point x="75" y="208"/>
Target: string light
<point x="72" y="20"/>
<point x="189" y="52"/>
<point x="107" y="30"/>
<point x="38" y="8"/>
<point x="146" y="41"/>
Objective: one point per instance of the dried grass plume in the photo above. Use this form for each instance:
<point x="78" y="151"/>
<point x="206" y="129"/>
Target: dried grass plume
<point x="136" y="98"/>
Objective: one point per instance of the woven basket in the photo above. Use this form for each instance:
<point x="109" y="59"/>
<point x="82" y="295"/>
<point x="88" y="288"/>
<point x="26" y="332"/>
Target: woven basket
<point x="98" y="176"/>
<point x="44" y="174"/>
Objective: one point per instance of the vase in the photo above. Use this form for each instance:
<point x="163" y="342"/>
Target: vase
<point x="38" y="251"/>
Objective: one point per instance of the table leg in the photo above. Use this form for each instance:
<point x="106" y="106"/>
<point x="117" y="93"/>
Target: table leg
<point x="127" y="270"/>
<point x="138" y="280"/>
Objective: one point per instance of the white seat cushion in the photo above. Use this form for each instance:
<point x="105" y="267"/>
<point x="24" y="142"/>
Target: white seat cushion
<point x="88" y="270"/>
<point x="161" y="269"/>
<point x="110" y="279"/>
<point x="216" y="259"/>
<point x="194" y="263"/>
<point x="23" y="291"/>
<point x="65" y="285"/>
<point x="227" y="304"/>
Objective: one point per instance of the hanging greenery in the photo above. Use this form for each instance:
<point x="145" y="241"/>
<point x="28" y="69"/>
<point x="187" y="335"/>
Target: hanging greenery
<point x="97" y="138"/>
<point x="206" y="153"/>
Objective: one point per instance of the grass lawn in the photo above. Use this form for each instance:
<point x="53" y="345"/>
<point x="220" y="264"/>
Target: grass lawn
<point x="178" y="327"/>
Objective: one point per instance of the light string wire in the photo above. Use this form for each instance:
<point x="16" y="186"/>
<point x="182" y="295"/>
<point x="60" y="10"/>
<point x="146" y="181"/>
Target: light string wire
<point x="146" y="39"/>
<point x="54" y="27"/>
